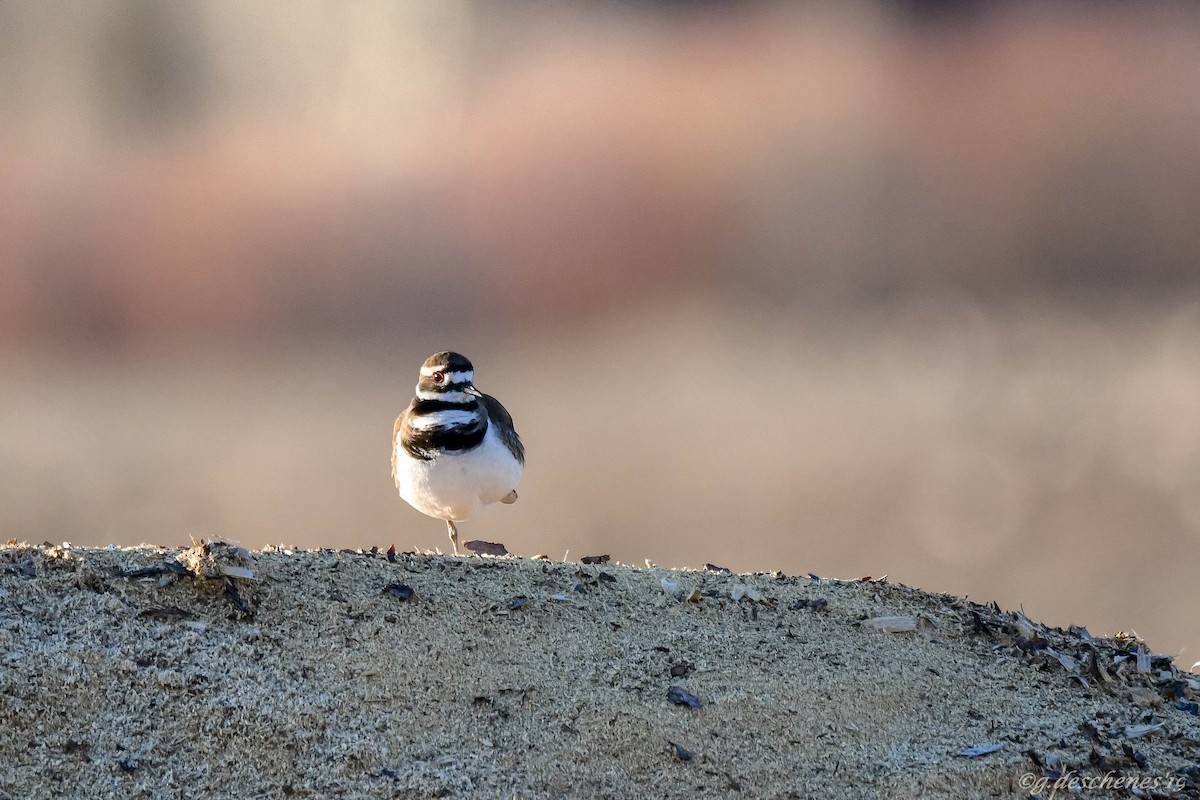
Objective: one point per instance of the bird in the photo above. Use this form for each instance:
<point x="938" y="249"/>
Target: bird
<point x="454" y="448"/>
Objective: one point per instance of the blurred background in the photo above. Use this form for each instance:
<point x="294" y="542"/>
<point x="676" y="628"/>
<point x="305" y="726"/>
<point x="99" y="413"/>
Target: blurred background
<point x="904" y="288"/>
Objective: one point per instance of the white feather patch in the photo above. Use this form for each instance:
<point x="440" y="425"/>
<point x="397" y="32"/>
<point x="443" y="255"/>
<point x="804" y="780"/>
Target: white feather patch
<point x="449" y="397"/>
<point x="444" y="419"/>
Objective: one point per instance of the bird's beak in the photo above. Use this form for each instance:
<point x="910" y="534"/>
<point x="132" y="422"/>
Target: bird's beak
<point x="474" y="391"/>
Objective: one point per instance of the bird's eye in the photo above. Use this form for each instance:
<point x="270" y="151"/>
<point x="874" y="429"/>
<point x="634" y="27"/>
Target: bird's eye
<point x="439" y="377"/>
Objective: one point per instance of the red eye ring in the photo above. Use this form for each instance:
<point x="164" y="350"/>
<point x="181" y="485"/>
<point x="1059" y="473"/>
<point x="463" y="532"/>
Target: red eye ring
<point x="439" y="377"/>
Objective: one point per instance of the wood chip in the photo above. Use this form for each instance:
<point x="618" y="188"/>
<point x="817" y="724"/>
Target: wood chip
<point x="1068" y="663"/>
<point x="1145" y="696"/>
<point x="1097" y="669"/>
<point x="1026" y="629"/>
<point x="681" y="669"/>
<point x="1138" y="731"/>
<point x="818" y="604"/>
<point x="894" y="624"/>
<point x="236" y="600"/>
<point x="744" y="590"/>
<point x="165" y="612"/>
<point x="486" y="548"/>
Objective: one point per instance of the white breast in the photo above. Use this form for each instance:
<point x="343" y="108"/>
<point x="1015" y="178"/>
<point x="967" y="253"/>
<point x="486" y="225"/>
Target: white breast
<point x="457" y="485"/>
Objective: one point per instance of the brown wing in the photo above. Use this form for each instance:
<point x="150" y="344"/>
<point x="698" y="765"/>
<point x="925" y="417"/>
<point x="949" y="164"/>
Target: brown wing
<point x="396" y="438"/>
<point x="503" y="421"/>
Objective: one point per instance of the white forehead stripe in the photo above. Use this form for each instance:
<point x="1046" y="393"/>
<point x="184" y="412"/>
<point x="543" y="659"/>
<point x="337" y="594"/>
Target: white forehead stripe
<point x="448" y="397"/>
<point x="451" y="377"/>
<point x="444" y="419"/>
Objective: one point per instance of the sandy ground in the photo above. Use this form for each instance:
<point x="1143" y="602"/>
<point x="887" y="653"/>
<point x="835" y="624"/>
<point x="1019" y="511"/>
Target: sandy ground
<point x="216" y="671"/>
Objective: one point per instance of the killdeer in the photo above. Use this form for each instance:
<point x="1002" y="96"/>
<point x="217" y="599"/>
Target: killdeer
<point x="454" y="449"/>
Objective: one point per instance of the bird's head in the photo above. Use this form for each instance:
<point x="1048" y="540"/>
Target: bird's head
<point x="447" y="376"/>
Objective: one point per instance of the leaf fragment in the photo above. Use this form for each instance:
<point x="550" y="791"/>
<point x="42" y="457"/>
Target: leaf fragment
<point x="680" y="751"/>
<point x="399" y="591"/>
<point x="682" y="697"/>
<point x="979" y="750"/>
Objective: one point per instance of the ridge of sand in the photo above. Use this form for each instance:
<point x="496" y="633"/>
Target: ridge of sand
<point x="157" y="672"/>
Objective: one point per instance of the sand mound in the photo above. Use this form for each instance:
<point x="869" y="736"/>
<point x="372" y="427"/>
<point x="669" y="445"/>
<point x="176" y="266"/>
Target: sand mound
<point x="215" y="671"/>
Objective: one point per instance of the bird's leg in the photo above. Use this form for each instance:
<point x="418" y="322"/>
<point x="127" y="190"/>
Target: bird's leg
<point x="453" y="534"/>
